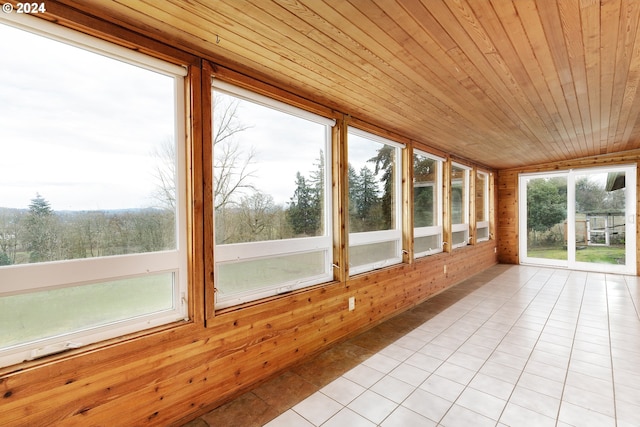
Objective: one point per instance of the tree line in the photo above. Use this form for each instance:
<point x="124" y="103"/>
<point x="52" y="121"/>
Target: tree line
<point x="255" y="216"/>
<point x="40" y="234"/>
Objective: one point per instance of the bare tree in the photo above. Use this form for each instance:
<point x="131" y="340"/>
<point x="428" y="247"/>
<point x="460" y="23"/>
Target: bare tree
<point x="165" y="174"/>
<point x="231" y="165"/>
<point x="10" y="230"/>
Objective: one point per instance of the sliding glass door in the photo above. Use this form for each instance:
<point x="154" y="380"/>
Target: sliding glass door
<point x="581" y="219"/>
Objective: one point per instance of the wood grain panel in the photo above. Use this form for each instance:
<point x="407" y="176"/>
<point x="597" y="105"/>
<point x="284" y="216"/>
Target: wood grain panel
<point x="157" y="380"/>
<point x="520" y="86"/>
<point x="502" y="83"/>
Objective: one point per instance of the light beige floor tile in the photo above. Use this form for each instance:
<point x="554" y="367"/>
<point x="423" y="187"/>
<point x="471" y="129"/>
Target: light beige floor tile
<point x="578" y="416"/>
<point x="482" y="403"/>
<point x="317" y="408"/>
<point x="403" y="417"/>
<point x="493" y="386"/>
<point x="535" y="401"/>
<point x="372" y="406"/>
<point x="343" y="390"/>
<point x="393" y="389"/>
<point x="460" y="416"/>
<point x="443" y="387"/>
<point x="428" y="405"/>
<point x="346" y="417"/>
<point x="289" y="418"/>
<point x="410" y="374"/>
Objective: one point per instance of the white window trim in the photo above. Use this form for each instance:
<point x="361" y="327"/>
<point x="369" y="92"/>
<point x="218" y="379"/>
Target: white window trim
<point x="248" y="251"/>
<point x="427" y="232"/>
<point x="485" y="223"/>
<point x="435" y="230"/>
<point x="463" y="226"/>
<point x="276" y="289"/>
<point x="252" y="250"/>
<point x="372" y="237"/>
<point x="481" y="225"/>
<point x="274" y="104"/>
<point x="83" y="41"/>
<point x="63" y="274"/>
<point x="381" y="236"/>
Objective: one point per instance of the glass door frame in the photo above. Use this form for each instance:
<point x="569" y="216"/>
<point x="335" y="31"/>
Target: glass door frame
<point x="630" y="220"/>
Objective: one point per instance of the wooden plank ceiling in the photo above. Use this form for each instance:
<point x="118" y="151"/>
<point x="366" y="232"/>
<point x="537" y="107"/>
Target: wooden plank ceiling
<point x="504" y="83"/>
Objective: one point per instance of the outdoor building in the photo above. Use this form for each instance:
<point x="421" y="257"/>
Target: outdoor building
<point x="319" y="213"/>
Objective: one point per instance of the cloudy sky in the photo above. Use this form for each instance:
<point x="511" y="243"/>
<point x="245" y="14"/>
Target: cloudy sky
<point x="76" y="127"/>
<point x="80" y="129"/>
<point x="284" y="145"/>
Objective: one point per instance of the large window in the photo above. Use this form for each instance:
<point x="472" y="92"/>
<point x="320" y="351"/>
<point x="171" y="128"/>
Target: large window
<point x="374" y="201"/>
<point x="482" y="206"/>
<point x="92" y="215"/>
<point x="459" y="205"/>
<point x="272" y="182"/>
<point x="582" y="219"/>
<point x="427" y="203"/>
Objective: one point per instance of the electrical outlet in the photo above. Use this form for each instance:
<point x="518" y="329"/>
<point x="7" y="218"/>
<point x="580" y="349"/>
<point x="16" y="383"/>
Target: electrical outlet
<point x="352" y="303"/>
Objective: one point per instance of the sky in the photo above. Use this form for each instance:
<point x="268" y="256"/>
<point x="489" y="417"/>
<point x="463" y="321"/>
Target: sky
<point x="80" y="130"/>
<point x="284" y="145"/>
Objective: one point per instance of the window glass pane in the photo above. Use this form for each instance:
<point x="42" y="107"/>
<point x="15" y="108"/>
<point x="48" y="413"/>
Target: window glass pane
<point x="425" y="191"/>
<point x="38" y="315"/>
<point x="269" y="173"/>
<point x="372" y="253"/>
<point x="459" y="237"/>
<point x="481" y="197"/>
<point x="270" y="170"/>
<point x="88" y="164"/>
<point x="372" y="186"/>
<point x="90" y="176"/>
<point x="482" y="233"/>
<point x="427" y="243"/>
<point x="459" y="186"/>
<point x="255" y="274"/>
<point x="546" y="205"/>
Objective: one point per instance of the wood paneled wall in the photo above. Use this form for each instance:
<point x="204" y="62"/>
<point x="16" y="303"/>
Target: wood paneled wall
<point x="507" y="217"/>
<point x="166" y="375"/>
<point x="507" y="204"/>
<point x="161" y="378"/>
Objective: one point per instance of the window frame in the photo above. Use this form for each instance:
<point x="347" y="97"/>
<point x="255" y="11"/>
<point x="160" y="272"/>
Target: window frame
<point x="253" y="251"/>
<point x="464" y="226"/>
<point x="484" y="224"/>
<point x="44" y="276"/>
<point x="437" y="229"/>
<point x="393" y="235"/>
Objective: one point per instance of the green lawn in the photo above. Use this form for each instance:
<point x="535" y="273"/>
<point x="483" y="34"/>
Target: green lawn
<point x="594" y="254"/>
<point x="33" y="316"/>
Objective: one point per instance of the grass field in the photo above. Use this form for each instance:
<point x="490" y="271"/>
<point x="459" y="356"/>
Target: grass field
<point x="250" y="275"/>
<point x="39" y="315"/>
<point x="594" y="254"/>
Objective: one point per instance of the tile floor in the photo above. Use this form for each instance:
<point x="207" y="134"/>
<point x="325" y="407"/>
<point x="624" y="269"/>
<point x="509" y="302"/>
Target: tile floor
<point x="512" y="346"/>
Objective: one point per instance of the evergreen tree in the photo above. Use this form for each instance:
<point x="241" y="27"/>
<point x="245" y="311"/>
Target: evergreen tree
<point x="317" y="182"/>
<point x="354" y="186"/>
<point x="303" y="214"/>
<point x="364" y="201"/>
<point x="41" y="231"/>
<point x="546" y="204"/>
<point x="384" y="162"/>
